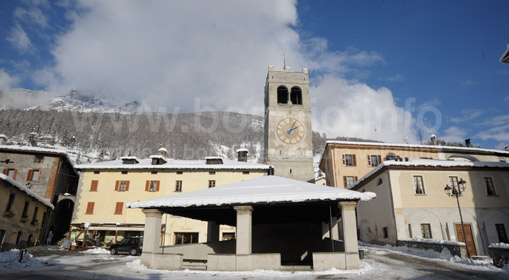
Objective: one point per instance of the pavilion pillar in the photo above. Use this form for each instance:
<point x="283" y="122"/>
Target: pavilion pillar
<point x="152" y="235"/>
<point x="349" y="226"/>
<point x="212" y="231"/>
<point x="244" y="229"/>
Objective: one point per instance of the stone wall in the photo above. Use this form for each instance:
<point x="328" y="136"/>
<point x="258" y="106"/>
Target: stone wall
<point x="455" y="249"/>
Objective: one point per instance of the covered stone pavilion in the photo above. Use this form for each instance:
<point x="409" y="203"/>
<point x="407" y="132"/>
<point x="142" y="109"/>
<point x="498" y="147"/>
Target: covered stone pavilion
<point x="280" y="222"/>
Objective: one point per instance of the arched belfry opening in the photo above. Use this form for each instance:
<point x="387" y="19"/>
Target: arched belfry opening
<point x="296" y="96"/>
<point x="282" y="95"/>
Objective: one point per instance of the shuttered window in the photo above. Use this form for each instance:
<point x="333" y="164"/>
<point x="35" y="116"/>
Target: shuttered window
<point x="122" y="186"/>
<point x="349" y="180"/>
<point x="118" y="208"/>
<point x="349" y="160"/>
<point x="374" y="160"/>
<point x="90" y="208"/>
<point x="34" y="175"/>
<point x="152" y="186"/>
<point x="93" y="186"/>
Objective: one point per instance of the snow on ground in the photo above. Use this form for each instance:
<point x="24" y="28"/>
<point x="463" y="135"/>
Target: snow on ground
<point x="444" y="256"/>
<point x="9" y="260"/>
<point x="97" y="250"/>
<point x="499" y="245"/>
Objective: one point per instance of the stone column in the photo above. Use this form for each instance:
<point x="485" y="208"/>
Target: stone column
<point x="152" y="235"/>
<point x="212" y="231"/>
<point x="349" y="225"/>
<point x="244" y="229"/>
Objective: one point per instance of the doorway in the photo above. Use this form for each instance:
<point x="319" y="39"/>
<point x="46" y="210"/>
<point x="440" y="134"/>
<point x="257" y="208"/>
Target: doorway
<point x="470" y="238"/>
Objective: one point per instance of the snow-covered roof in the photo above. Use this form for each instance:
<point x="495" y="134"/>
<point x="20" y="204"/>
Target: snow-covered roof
<point x="242" y="150"/>
<point x="464" y="149"/>
<point x="265" y="189"/>
<point x="162" y="150"/>
<point x="129" y="158"/>
<point x="38" y="150"/>
<point x="156" y="156"/>
<point x="213" y="157"/>
<point x="25" y="190"/>
<point x="437" y="163"/>
<point x="174" y="164"/>
<point x="3" y="136"/>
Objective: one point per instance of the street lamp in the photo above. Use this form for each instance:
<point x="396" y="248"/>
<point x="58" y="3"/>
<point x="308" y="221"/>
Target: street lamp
<point x="457" y="191"/>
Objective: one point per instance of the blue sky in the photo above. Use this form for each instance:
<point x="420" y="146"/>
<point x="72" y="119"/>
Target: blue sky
<point x="431" y="66"/>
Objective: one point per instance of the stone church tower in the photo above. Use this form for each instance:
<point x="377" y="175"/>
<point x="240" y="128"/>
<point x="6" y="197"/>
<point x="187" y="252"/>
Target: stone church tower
<point x="288" y="133"/>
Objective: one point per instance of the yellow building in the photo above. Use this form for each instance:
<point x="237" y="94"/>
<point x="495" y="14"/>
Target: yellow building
<point x="344" y="162"/>
<point x="104" y="189"/>
<point x="22" y="215"/>
<point x="411" y="202"/>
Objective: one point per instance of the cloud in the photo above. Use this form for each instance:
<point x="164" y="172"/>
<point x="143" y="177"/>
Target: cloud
<point x="348" y="108"/>
<point x="467" y="115"/>
<point x="396" y="78"/>
<point x="506" y="99"/>
<point x="19" y="38"/>
<point x="454" y="134"/>
<point x="498" y="133"/>
<point x="468" y="83"/>
<point x="205" y="55"/>
<point x="7" y="81"/>
<point x="31" y="14"/>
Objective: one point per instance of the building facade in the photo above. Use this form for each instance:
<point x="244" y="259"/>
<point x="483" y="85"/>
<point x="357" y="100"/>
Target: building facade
<point x="288" y="133"/>
<point x="105" y="188"/>
<point x="411" y="202"/>
<point x="344" y="162"/>
<point x="23" y="213"/>
<point x="48" y="173"/>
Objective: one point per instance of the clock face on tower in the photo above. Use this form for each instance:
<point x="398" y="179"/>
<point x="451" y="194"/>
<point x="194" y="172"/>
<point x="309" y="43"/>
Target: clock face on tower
<point x="290" y="130"/>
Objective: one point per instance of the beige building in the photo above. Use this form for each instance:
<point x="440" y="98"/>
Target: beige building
<point x="50" y="174"/>
<point x="344" y="162"/>
<point x="23" y="212"/>
<point x="411" y="202"/>
<point x="106" y="187"/>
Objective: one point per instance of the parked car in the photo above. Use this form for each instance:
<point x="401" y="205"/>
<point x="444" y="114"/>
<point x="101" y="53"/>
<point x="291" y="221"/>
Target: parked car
<point x="130" y="245"/>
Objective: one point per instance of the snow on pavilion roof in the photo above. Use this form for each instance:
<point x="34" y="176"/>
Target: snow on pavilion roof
<point x="265" y="189"/>
<point x="26" y="190"/>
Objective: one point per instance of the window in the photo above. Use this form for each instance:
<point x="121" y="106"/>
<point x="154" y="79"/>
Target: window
<point x="349" y="160"/>
<point x="186" y="237"/>
<point x="228" y="236"/>
<point x="349" y="180"/>
<point x="178" y="186"/>
<point x="453" y="182"/>
<point x="426" y="231"/>
<point x="11" y="172"/>
<point x="374" y="160"/>
<point x="34" y="217"/>
<point x="419" y="185"/>
<point x="502" y="236"/>
<point x="296" y="96"/>
<point x="34" y="175"/>
<point x="118" y="208"/>
<point x="212" y="172"/>
<point x="245" y="172"/>
<point x="90" y="208"/>
<point x="380" y="182"/>
<point x="18" y="238"/>
<point x="38" y="158"/>
<point x="282" y="95"/>
<point x="124" y="172"/>
<point x="97" y="172"/>
<point x="25" y="211"/>
<point x="212" y="183"/>
<point x="93" y="186"/>
<point x="180" y="172"/>
<point x="386" y="232"/>
<point x="152" y="186"/>
<point x="122" y="186"/>
<point x="490" y="188"/>
<point x="10" y="202"/>
<point x="153" y="172"/>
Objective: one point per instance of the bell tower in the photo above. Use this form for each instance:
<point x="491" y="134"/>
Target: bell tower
<point x="288" y="133"/>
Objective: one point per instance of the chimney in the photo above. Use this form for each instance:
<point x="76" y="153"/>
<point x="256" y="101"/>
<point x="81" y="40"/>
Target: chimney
<point x="163" y="152"/>
<point x="3" y="139"/>
<point x="242" y="155"/>
<point x="467" y="143"/>
<point x="433" y="139"/>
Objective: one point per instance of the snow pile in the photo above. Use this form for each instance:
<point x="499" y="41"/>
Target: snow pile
<point x="433" y="241"/>
<point x="9" y="260"/>
<point x="97" y="250"/>
<point x="499" y="245"/>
